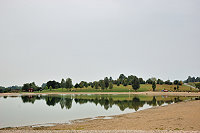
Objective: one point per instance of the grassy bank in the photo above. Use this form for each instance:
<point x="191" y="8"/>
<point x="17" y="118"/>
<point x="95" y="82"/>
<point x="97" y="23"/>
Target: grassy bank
<point x="121" y="88"/>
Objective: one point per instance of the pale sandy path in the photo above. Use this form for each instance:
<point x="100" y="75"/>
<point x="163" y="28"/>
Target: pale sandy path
<point x="94" y="131"/>
<point x="150" y="93"/>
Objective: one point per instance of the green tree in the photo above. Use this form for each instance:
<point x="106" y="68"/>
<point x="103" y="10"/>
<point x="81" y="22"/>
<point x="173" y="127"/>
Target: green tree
<point x="102" y="84"/>
<point x="141" y="81"/>
<point x="153" y="79"/>
<point x="118" y="82"/>
<point x="110" y="85"/>
<point x="154" y="85"/>
<point x="110" y="79"/>
<point x="63" y="83"/>
<point x="176" y="82"/>
<point x="177" y="87"/>
<point x="86" y="84"/>
<point x="198" y="85"/>
<point x="81" y="84"/>
<point x="68" y="83"/>
<point x="45" y="88"/>
<point x="76" y="85"/>
<point x="92" y="84"/>
<point x="106" y="81"/>
<point x="159" y="81"/>
<point x="135" y="84"/>
<point x="122" y="77"/>
<point x="25" y="87"/>
<point x="96" y="85"/>
<point x="149" y="81"/>
<point x="174" y="88"/>
<point x="50" y="88"/>
<point x="44" y="85"/>
<point x="32" y="85"/>
<point x="125" y="82"/>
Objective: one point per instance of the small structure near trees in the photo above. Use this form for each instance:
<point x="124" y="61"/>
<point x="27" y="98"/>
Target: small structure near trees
<point x="30" y="90"/>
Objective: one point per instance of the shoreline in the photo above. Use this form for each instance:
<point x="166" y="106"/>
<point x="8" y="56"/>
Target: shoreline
<point x="183" y="116"/>
<point x="149" y="93"/>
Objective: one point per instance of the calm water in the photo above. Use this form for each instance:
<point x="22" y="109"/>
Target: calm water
<point x="42" y="109"/>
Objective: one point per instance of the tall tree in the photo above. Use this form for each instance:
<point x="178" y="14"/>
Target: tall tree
<point x="110" y="85"/>
<point x="149" y="81"/>
<point x="122" y="76"/>
<point x="81" y="84"/>
<point x="159" y="81"/>
<point x="125" y="82"/>
<point x="135" y="84"/>
<point x="102" y="84"/>
<point x="110" y="79"/>
<point x="53" y="84"/>
<point x="141" y="81"/>
<point x="68" y="83"/>
<point x="176" y="82"/>
<point x="106" y="81"/>
<point x="96" y="85"/>
<point x="76" y="85"/>
<point x="154" y="85"/>
<point x="25" y="87"/>
<point x="63" y="83"/>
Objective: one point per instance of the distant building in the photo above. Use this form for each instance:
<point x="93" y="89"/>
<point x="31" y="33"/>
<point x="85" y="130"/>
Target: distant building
<point x="30" y="90"/>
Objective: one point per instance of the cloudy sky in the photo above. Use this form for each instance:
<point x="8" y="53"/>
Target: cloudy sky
<point x="43" y="40"/>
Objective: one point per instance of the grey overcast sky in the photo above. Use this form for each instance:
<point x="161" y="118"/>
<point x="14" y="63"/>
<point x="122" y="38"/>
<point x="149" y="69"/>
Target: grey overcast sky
<point x="43" y="40"/>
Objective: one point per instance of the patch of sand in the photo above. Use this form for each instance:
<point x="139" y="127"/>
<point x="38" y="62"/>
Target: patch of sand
<point x="150" y="93"/>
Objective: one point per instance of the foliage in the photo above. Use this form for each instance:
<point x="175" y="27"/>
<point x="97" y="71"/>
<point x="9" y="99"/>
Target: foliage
<point x="50" y="88"/>
<point x="53" y="84"/>
<point x="135" y="84"/>
<point x="76" y="85"/>
<point x="96" y="85"/>
<point x="149" y="81"/>
<point x="192" y="79"/>
<point x="102" y="84"/>
<point x="168" y="82"/>
<point x="159" y="81"/>
<point x="110" y="85"/>
<point x="198" y="85"/>
<point x="106" y="81"/>
<point x="154" y="85"/>
<point x="68" y="83"/>
<point x="176" y="82"/>
<point x="63" y="83"/>
<point x="141" y="81"/>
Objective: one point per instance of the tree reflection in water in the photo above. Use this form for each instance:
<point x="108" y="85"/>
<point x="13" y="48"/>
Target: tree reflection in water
<point x="107" y="101"/>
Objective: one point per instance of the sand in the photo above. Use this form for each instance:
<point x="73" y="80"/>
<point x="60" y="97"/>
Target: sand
<point x="150" y="93"/>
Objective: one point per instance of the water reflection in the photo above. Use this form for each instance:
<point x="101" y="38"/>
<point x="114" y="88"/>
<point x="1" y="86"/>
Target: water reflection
<point x="107" y="101"/>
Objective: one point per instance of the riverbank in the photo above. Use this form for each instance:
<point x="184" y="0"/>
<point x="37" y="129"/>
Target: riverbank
<point x="179" y="116"/>
<point x="149" y="93"/>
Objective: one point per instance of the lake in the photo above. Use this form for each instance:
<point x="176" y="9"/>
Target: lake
<point x="27" y="110"/>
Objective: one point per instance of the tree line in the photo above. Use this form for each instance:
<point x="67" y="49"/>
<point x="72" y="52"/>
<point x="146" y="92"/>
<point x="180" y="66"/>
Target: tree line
<point x="192" y="79"/>
<point x="106" y="83"/>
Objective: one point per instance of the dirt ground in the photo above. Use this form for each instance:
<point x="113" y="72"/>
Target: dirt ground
<point x="150" y="93"/>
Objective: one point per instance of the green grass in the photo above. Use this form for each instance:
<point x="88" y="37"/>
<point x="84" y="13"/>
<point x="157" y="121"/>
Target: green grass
<point x="121" y="88"/>
<point x="193" y="83"/>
